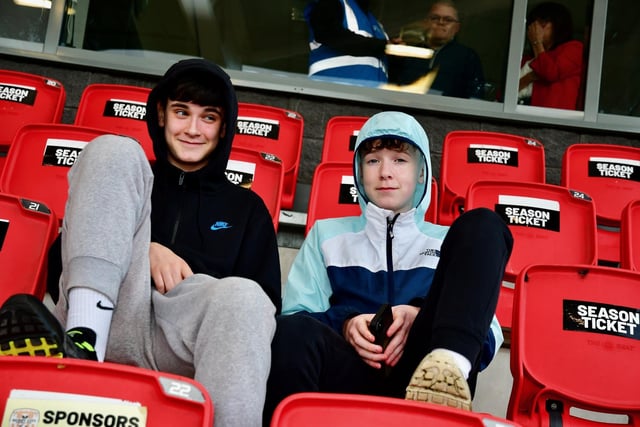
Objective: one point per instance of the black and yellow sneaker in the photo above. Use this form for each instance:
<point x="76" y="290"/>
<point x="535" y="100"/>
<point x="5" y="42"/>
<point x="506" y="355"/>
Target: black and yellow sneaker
<point x="84" y="340"/>
<point x="28" y="328"/>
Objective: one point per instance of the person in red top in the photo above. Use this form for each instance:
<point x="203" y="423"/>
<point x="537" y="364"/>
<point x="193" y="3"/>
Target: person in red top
<point x="553" y="76"/>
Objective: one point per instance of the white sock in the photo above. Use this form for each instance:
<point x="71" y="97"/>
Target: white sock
<point x="461" y="362"/>
<point x="91" y="309"/>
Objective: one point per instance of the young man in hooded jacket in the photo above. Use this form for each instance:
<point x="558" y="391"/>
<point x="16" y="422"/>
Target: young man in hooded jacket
<point x="174" y="269"/>
<point x="442" y="284"/>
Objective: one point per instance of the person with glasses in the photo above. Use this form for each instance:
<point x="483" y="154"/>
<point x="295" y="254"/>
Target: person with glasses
<point x="458" y="70"/>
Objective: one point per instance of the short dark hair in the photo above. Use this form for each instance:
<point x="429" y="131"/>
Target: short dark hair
<point x="196" y="87"/>
<point x="558" y="15"/>
<point x="377" y="144"/>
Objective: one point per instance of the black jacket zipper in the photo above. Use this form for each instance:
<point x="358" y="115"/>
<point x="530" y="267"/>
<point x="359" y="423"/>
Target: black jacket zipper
<point x="390" y="283"/>
<point x="176" y="224"/>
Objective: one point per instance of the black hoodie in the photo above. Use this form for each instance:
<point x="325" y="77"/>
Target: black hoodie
<point x="217" y="227"/>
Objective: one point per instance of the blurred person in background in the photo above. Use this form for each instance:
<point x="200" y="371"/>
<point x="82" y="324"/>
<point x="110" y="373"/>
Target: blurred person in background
<point x="346" y="41"/>
<point x="552" y="75"/>
<point x="458" y="68"/>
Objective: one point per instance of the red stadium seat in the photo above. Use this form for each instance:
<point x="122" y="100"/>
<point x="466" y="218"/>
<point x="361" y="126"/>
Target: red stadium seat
<point x="630" y="236"/>
<point x="574" y="348"/>
<point x="340" y="138"/>
<point x="610" y="175"/>
<point x="118" y="109"/>
<point x="27" y="229"/>
<point x="469" y="156"/>
<point x="39" y="160"/>
<point x="347" y="410"/>
<point x="550" y="224"/>
<point x="262" y="173"/>
<point x="333" y="193"/>
<point x="80" y="392"/>
<point x="27" y="98"/>
<point x="276" y="131"/>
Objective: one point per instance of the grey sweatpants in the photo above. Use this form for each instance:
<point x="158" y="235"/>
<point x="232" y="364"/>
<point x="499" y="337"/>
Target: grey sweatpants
<point x="217" y="331"/>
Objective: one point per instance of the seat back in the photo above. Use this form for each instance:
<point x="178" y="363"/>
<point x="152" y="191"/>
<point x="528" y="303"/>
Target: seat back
<point x="39" y="160"/>
<point x="27" y="229"/>
<point x="469" y="156"/>
<point x="27" y="98"/>
<point x="260" y="172"/>
<point x="133" y="393"/>
<point x="549" y="223"/>
<point x="610" y="175"/>
<point x="574" y="348"/>
<point x="276" y="131"/>
<point x="347" y="410"/>
<point x="118" y="109"/>
<point x="340" y="138"/>
<point x="630" y="236"/>
<point x="333" y="193"/>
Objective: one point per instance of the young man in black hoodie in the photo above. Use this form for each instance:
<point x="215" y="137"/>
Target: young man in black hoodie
<point x="174" y="269"/>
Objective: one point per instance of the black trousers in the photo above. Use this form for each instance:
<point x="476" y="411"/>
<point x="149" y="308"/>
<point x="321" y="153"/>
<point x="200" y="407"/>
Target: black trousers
<point x="308" y="355"/>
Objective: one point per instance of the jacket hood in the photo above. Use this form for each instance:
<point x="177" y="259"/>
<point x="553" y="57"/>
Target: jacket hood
<point x="220" y="156"/>
<point x="394" y="124"/>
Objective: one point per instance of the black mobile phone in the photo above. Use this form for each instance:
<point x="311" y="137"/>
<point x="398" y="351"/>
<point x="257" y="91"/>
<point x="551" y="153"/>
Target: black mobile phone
<point x="380" y="324"/>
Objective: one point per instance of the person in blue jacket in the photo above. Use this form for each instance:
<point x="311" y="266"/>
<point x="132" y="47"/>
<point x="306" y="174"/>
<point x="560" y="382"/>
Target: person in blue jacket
<point x="442" y="284"/>
<point x="347" y="42"/>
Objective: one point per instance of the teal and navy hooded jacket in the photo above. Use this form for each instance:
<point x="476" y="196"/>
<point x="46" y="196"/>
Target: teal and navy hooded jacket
<point x="351" y="265"/>
<point x="217" y="227"/>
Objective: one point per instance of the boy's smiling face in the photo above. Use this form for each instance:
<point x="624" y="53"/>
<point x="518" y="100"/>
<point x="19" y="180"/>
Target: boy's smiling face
<point x="192" y="132"/>
<point x="390" y="177"/>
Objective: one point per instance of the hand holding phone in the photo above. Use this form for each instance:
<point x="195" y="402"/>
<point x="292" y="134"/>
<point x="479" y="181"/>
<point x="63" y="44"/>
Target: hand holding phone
<point x="380" y="324"/>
